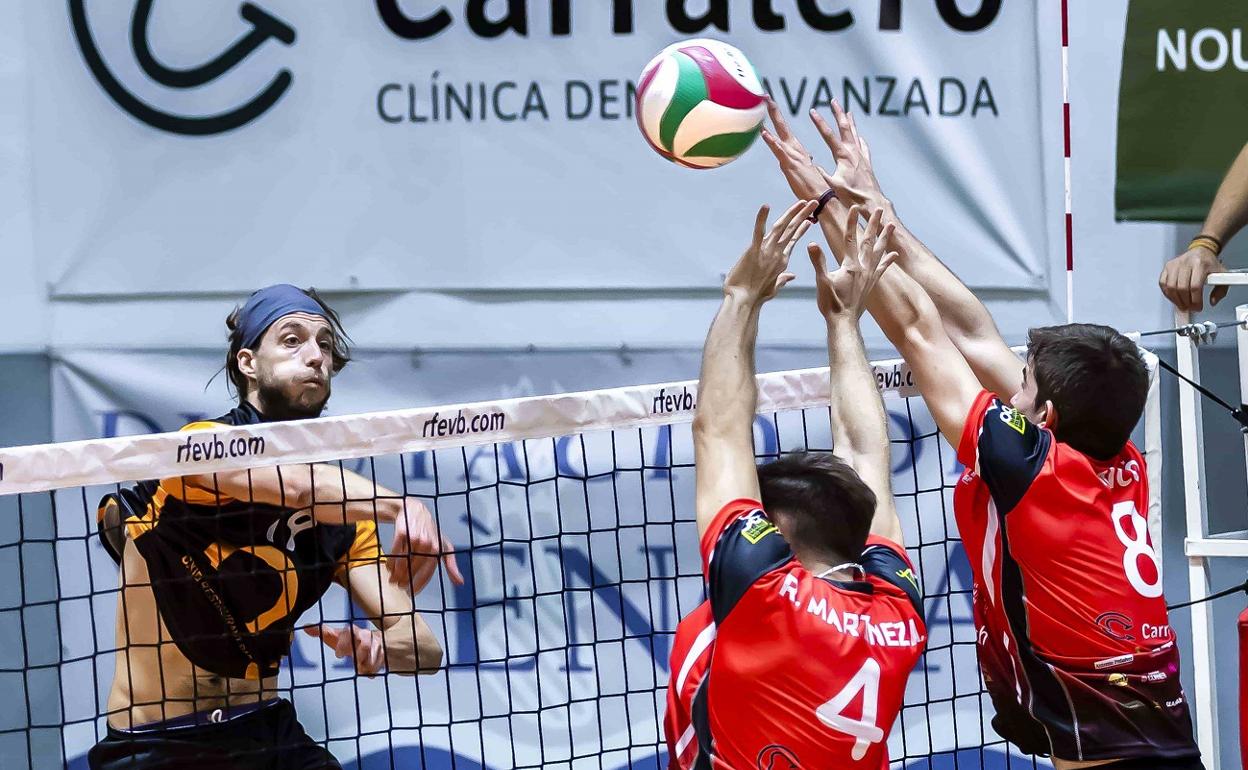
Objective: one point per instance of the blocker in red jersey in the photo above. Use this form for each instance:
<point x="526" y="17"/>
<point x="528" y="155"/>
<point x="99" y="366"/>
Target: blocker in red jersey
<point x="1074" y="642"/>
<point x="800" y="656"/>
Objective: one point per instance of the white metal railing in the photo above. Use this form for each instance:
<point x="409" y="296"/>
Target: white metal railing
<point x="1201" y="545"/>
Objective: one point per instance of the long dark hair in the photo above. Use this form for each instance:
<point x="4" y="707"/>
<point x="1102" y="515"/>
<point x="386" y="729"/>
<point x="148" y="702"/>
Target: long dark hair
<point x="340" y="354"/>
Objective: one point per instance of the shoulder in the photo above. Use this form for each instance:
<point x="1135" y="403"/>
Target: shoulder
<point x="1006" y="450"/>
<point x="239" y="415"/>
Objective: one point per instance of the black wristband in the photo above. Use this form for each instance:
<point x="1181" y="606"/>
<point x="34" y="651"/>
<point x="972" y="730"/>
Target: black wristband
<point x="823" y="201"/>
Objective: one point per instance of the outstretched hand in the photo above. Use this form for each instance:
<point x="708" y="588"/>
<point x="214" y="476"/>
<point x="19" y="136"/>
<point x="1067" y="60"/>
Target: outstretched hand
<point x="363" y="645"/>
<point x="854" y="179"/>
<point x="763" y="269"/>
<point x="864" y="258"/>
<point x="418" y="548"/>
<point x="807" y="180"/>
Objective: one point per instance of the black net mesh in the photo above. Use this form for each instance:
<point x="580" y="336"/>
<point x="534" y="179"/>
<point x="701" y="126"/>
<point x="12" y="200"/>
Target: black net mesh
<point x="580" y="557"/>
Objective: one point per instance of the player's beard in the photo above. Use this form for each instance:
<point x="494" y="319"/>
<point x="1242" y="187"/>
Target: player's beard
<point x="290" y="400"/>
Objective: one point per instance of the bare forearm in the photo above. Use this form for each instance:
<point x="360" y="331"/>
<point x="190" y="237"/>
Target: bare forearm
<point x="340" y="496"/>
<point x="411" y="647"/>
<point x="335" y="495"/>
<point x="723" y="436"/>
<point x="1229" y="212"/>
<point x="964" y="316"/>
<point x="728" y="395"/>
<point x="858" y="426"/>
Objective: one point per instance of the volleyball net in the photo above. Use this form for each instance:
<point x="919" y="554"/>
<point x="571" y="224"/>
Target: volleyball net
<point x="572" y="519"/>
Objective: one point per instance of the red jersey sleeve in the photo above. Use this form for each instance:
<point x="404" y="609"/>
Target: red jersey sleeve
<point x="968" y="448"/>
<point x="1006" y="450"/>
<point x="739" y="547"/>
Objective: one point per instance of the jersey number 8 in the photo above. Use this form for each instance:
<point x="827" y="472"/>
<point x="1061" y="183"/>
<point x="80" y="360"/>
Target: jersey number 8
<point x="1137" y="546"/>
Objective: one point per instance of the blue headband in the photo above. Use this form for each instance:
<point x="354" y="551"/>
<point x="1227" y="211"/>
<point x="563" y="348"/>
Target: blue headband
<point x="267" y="305"/>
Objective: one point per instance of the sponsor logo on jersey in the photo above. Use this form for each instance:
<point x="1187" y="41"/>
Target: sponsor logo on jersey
<point x="1116" y="625"/>
<point x="1012" y="418"/>
<point x="908" y="574"/>
<point x="757" y="526"/>
<point x="777" y="757"/>
<point x="1115" y="662"/>
<point x="1176" y="702"/>
<point x="1155" y="676"/>
<point x="1118" y="680"/>
<point x="1123" y="475"/>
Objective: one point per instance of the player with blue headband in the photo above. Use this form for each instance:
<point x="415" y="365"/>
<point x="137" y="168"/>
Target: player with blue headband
<point x="217" y="568"/>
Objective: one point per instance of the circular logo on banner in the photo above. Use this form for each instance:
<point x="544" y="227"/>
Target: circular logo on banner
<point x="260" y="28"/>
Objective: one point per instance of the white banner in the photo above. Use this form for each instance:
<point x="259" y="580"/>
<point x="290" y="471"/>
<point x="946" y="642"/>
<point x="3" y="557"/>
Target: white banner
<point x="389" y="145"/>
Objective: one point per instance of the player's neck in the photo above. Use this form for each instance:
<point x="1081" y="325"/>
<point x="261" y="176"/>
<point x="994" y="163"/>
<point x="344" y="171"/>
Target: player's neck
<point x="829" y="565"/>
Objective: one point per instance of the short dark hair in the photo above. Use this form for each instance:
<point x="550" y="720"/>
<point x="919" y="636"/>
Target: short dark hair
<point x="1097" y="380"/>
<point x="340" y="354"/>
<point x="829" y="506"/>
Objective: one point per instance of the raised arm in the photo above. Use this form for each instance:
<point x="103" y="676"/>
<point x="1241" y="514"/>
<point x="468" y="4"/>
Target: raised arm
<point x="909" y="319"/>
<point x="859" y="427"/>
<point x="723" y="429"/>
<point x="335" y="496"/>
<point x="966" y="321"/>
<point x="1183" y="278"/>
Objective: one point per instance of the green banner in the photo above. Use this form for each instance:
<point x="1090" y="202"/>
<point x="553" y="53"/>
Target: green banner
<point x="1182" y="106"/>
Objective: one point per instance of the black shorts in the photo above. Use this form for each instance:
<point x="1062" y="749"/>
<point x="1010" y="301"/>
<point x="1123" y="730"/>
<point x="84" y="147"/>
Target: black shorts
<point x="266" y="738"/>
<point x="1149" y="763"/>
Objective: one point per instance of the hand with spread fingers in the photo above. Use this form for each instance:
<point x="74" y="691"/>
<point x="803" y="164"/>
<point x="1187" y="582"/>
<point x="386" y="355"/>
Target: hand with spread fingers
<point x="418" y="548"/>
<point x="363" y="645"/>
<point x="763" y="269"/>
<point x="807" y="180"/>
<point x="864" y="258"/>
<point x="854" y="180"/>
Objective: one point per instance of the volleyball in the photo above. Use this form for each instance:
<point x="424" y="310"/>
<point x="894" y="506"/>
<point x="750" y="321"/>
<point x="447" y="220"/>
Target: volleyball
<point x="700" y="103"/>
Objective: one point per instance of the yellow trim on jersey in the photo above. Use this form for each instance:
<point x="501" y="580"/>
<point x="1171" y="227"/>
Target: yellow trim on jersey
<point x="365" y="550"/>
<point x="280" y="563"/>
<point x="144" y="522"/>
<point x="201" y="425"/>
<point x="196" y="494"/>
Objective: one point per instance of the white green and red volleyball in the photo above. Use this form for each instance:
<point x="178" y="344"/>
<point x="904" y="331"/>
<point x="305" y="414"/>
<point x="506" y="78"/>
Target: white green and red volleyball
<point x="700" y="103"/>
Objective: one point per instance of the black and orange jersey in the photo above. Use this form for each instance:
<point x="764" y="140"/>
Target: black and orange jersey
<point x="231" y="577"/>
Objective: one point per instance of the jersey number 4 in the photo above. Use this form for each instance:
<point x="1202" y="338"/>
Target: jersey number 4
<point x="864" y="730"/>
<point x="1138" y="546"/>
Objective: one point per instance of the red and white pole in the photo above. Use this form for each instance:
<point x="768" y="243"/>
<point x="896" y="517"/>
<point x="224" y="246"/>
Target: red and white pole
<point x="1070" y="227"/>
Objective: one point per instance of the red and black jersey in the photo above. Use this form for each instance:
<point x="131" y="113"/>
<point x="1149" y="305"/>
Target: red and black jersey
<point x="803" y="671"/>
<point x="691" y="657"/>
<point x="1074" y="640"/>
